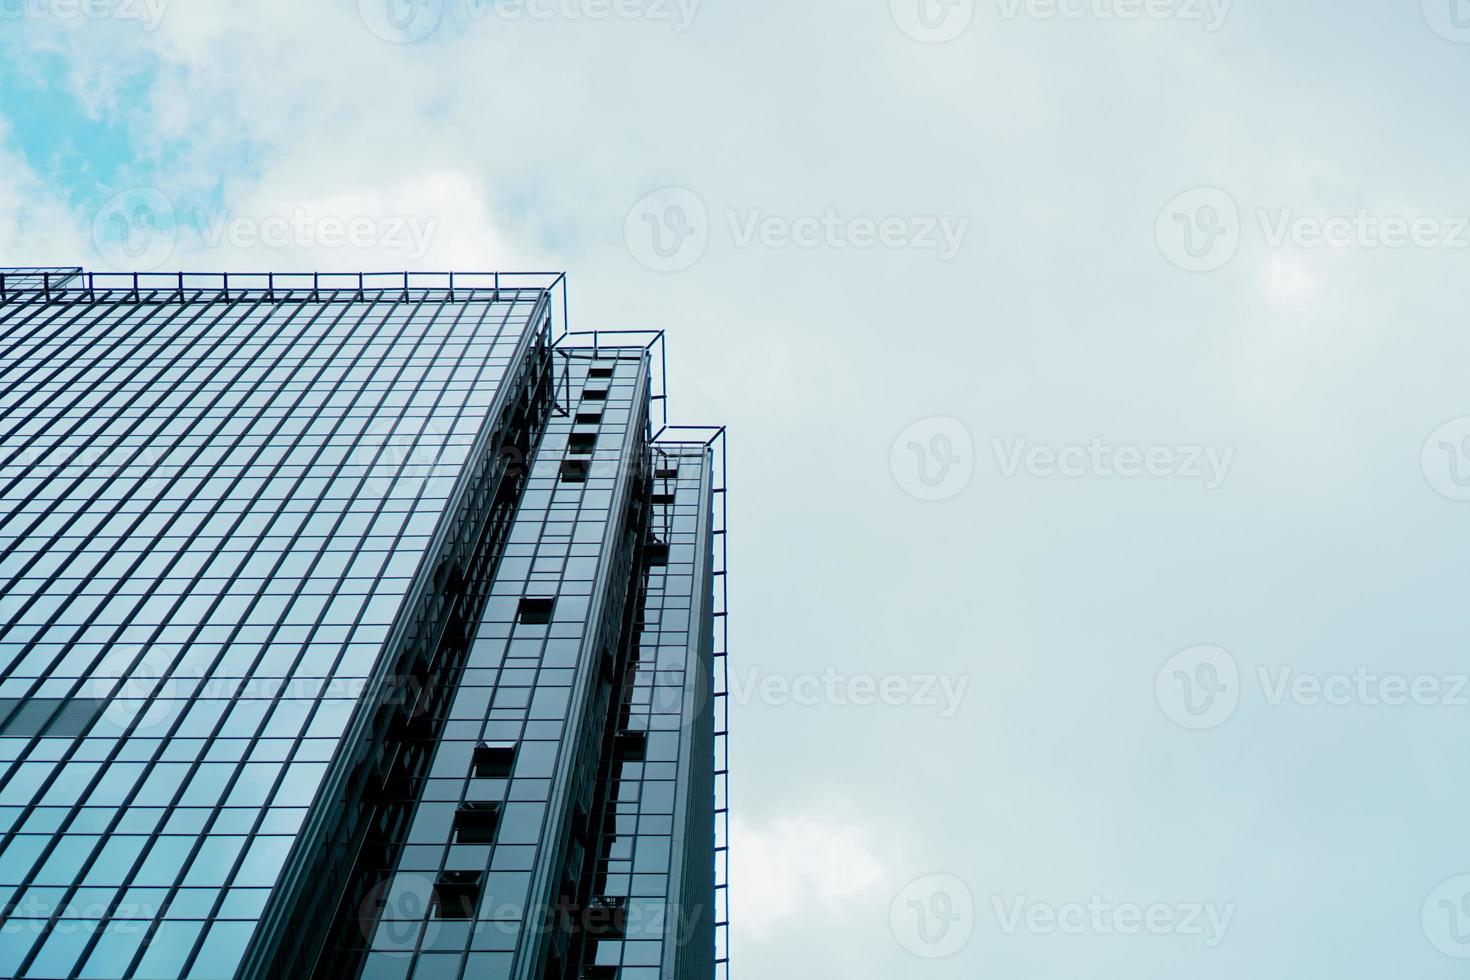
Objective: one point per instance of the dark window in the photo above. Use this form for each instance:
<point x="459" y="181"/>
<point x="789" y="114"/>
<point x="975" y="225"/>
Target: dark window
<point x="606" y="918"/>
<point x="592" y="394"/>
<point x="582" y="442"/>
<point x="632" y="746"/>
<point x="589" y="417"/>
<point x="656" y="553"/>
<point x="494" y="760"/>
<point x="475" y="823"/>
<point x="455" y="894"/>
<point x="53" y="717"/>
<point x="667" y="472"/>
<point x="663" y="498"/>
<point x="575" y="470"/>
<point x="536" y="608"/>
<point x="600" y="371"/>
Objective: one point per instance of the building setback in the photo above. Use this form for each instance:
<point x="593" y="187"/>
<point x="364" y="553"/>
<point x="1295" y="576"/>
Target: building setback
<point x="358" y="626"/>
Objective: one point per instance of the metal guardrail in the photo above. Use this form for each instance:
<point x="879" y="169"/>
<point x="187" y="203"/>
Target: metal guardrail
<point x="715" y="439"/>
<point x="72" y="283"/>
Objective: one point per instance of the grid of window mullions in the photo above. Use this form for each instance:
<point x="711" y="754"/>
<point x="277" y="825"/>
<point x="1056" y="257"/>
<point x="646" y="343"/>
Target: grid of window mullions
<point x="404" y="326"/>
<point x="124" y="335"/>
<point x="500" y="332"/>
<point x="569" y="505"/>
<point x="649" y="692"/>
<point x="260" y="327"/>
<point x="117" y="748"/>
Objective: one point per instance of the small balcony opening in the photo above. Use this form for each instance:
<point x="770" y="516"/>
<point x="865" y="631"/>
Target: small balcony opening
<point x="475" y="823"/>
<point x="494" y="760"/>
<point x="632" y="746"/>
<point x="536" y="609"/>
<point x="456" y="893"/>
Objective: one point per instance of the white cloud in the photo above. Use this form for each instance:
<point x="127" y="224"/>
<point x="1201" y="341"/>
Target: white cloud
<point x="35" y="226"/>
<point x="798" y="870"/>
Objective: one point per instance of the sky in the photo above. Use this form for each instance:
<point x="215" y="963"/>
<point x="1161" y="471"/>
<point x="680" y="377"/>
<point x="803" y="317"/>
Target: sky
<point x="1095" y="376"/>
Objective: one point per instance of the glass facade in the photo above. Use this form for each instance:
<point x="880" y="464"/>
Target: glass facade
<point x="350" y="626"/>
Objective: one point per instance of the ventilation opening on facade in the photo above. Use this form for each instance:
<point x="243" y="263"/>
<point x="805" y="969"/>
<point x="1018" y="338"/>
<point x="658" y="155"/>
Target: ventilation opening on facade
<point x="667" y="472"/>
<point x="663" y="498"/>
<point x="589" y="418"/>
<point x="632" y="746"/>
<point x="600" y="370"/>
<point x="592" y="394"/>
<point x="536" y="608"/>
<point x="656" y="553"/>
<point x="607" y="917"/>
<point x="475" y="823"/>
<point x="582" y="442"/>
<point x="494" y="760"/>
<point x="575" y="470"/>
<point x="456" y="894"/>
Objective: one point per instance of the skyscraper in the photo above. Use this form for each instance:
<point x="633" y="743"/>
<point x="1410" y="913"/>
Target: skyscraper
<point x="352" y="626"/>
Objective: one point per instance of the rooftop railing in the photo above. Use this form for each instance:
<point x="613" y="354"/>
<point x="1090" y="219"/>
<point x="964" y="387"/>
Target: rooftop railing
<point x="73" y="282"/>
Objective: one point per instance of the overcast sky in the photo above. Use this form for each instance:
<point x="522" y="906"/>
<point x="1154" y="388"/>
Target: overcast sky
<point x="1096" y="375"/>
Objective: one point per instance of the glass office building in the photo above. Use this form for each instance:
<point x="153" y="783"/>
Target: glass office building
<point x="353" y="626"/>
